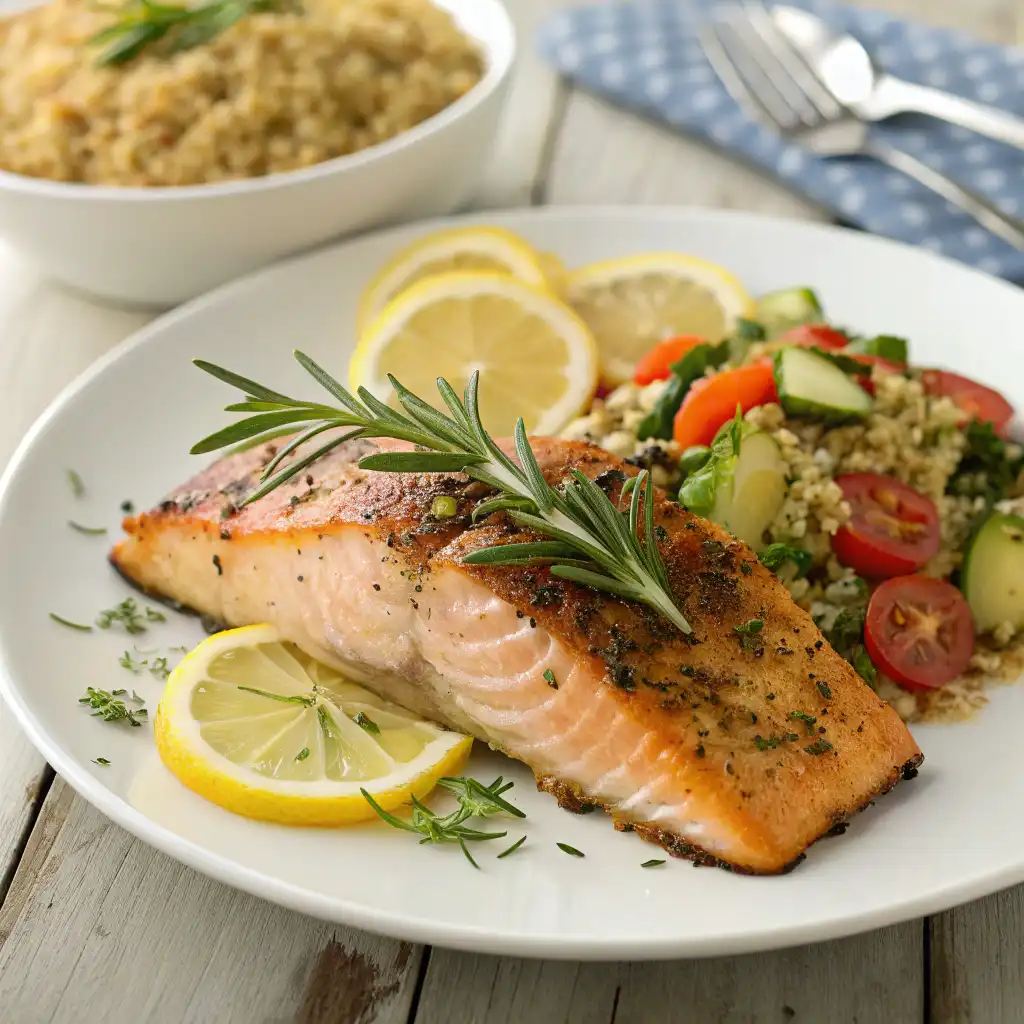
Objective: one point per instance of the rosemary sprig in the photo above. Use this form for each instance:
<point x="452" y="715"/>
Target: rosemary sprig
<point x="590" y="541"/>
<point x="142" y="23"/>
<point x="475" y="800"/>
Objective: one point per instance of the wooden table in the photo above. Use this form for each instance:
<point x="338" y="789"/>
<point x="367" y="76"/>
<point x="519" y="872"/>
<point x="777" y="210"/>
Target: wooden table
<point x="97" y="928"/>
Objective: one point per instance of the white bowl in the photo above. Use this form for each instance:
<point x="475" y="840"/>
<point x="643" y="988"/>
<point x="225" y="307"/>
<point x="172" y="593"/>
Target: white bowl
<point x="160" y="246"/>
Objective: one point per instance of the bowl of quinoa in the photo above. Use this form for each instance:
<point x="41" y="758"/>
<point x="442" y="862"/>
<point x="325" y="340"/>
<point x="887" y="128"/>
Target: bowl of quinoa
<point x="915" y="428"/>
<point x="151" y="176"/>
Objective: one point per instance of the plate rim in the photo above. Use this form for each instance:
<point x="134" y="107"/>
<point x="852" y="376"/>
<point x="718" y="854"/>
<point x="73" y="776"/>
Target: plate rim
<point x="405" y="926"/>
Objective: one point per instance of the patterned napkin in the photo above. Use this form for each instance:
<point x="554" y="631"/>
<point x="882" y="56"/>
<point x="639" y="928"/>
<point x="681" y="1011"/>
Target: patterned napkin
<point x="645" y="55"/>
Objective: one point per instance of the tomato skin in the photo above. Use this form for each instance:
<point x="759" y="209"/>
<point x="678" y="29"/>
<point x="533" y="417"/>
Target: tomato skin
<point x="980" y="402"/>
<point x="713" y="400"/>
<point x="657" y="364"/>
<point x="893" y="529"/>
<point x="919" y="632"/>
<point x="816" y="336"/>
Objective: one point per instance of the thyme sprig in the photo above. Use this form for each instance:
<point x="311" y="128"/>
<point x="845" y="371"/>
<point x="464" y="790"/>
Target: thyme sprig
<point x="108" y="705"/>
<point x="590" y="541"/>
<point x="140" y="24"/>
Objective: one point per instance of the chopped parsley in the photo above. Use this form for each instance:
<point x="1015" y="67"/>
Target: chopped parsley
<point x="808" y="720"/>
<point x="773" y="741"/>
<point x="823" y="689"/>
<point x="302" y="754"/>
<point x="775" y="556"/>
<point x="101" y="761"/>
<point x="986" y="469"/>
<point x="130" y="616"/>
<point x="550" y="679"/>
<point x="749" y="633"/>
<point x="818" y="747"/>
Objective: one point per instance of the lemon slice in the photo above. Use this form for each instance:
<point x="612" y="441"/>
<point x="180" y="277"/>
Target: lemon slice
<point x="473" y="248"/>
<point x="632" y="304"/>
<point x="536" y="357"/>
<point x="256" y="726"/>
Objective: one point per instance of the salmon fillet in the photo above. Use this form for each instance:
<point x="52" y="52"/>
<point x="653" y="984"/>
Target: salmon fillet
<point x="726" y="747"/>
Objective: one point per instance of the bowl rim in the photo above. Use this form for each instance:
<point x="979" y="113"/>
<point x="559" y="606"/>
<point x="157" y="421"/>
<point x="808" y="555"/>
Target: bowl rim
<point x="501" y="53"/>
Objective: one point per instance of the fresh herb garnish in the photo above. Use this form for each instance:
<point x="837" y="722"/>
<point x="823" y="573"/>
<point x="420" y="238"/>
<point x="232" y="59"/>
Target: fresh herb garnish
<point x="475" y="799"/>
<point x="589" y="541"/>
<point x="101" y="761"/>
<point x="808" y="720"/>
<point x="130" y="663"/>
<point x="986" y="469"/>
<point x="819" y="746"/>
<point x="302" y="754"/>
<point x="824" y="689"/>
<point x="571" y="850"/>
<point x="864" y="666"/>
<point x="652" y="863"/>
<point x="749" y="634"/>
<point x="512" y="849"/>
<point x="159" y="669"/>
<point x="549" y="677"/>
<point x="89" y="531"/>
<point x="142" y="23"/>
<point x="691" y="367"/>
<point x="110" y="708"/>
<point x="777" y="555"/>
<point x="81" y="627"/>
<point x="130" y="616"/>
<point x="736" y="430"/>
<point x="773" y="741"/>
<point x="364" y="721"/>
<point x="75" y="483"/>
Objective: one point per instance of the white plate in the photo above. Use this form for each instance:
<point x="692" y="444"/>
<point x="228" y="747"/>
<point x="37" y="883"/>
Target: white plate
<point x="126" y="426"/>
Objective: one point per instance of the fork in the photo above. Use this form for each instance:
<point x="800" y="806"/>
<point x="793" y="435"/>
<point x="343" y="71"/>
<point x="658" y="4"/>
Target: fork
<point x="771" y="80"/>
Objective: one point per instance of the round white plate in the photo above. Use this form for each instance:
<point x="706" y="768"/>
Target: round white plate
<point x="126" y="426"/>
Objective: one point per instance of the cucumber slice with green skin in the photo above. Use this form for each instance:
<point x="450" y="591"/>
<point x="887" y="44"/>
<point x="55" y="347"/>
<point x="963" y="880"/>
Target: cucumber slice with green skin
<point x="741" y="492"/>
<point x="885" y="346"/>
<point x="778" y="311"/>
<point x="993" y="573"/>
<point x="811" y="385"/>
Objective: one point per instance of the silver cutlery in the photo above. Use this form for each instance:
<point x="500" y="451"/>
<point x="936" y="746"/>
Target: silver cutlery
<point x="853" y="77"/>
<point x="771" y="79"/>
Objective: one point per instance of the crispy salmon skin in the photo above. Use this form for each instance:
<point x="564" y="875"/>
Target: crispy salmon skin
<point x="739" y="744"/>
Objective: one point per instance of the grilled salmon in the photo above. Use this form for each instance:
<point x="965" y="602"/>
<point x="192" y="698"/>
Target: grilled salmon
<point x="734" y="745"/>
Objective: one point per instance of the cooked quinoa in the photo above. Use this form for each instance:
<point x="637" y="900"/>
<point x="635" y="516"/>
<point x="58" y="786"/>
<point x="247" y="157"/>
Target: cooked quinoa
<point x="274" y="92"/>
<point x="912" y="436"/>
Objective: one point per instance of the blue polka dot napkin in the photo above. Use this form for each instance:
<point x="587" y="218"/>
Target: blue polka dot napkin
<point x="645" y="55"/>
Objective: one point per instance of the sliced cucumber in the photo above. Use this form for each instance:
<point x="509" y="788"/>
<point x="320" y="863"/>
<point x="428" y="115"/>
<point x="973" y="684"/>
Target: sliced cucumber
<point x="809" y="384"/>
<point x="779" y="311"/>
<point x="743" y="492"/>
<point x="885" y="346"/>
<point x="993" y="573"/>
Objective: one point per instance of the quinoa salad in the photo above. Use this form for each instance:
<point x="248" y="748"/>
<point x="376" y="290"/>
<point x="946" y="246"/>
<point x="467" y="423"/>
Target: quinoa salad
<point x="888" y="497"/>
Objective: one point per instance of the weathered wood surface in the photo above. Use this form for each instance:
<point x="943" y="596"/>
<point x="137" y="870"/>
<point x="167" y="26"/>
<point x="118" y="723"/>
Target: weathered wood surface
<point x="97" y="927"/>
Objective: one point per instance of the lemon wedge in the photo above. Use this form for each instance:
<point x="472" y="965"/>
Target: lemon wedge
<point x="631" y="304"/>
<point x="471" y="248"/>
<point x="536" y="356"/>
<point x="256" y="726"/>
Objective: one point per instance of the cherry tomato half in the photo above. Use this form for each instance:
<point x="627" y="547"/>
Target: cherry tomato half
<point x="893" y="530"/>
<point x="817" y="336"/>
<point x="919" y="632"/>
<point x="713" y="400"/>
<point x="657" y="364"/>
<point x="975" y="399"/>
